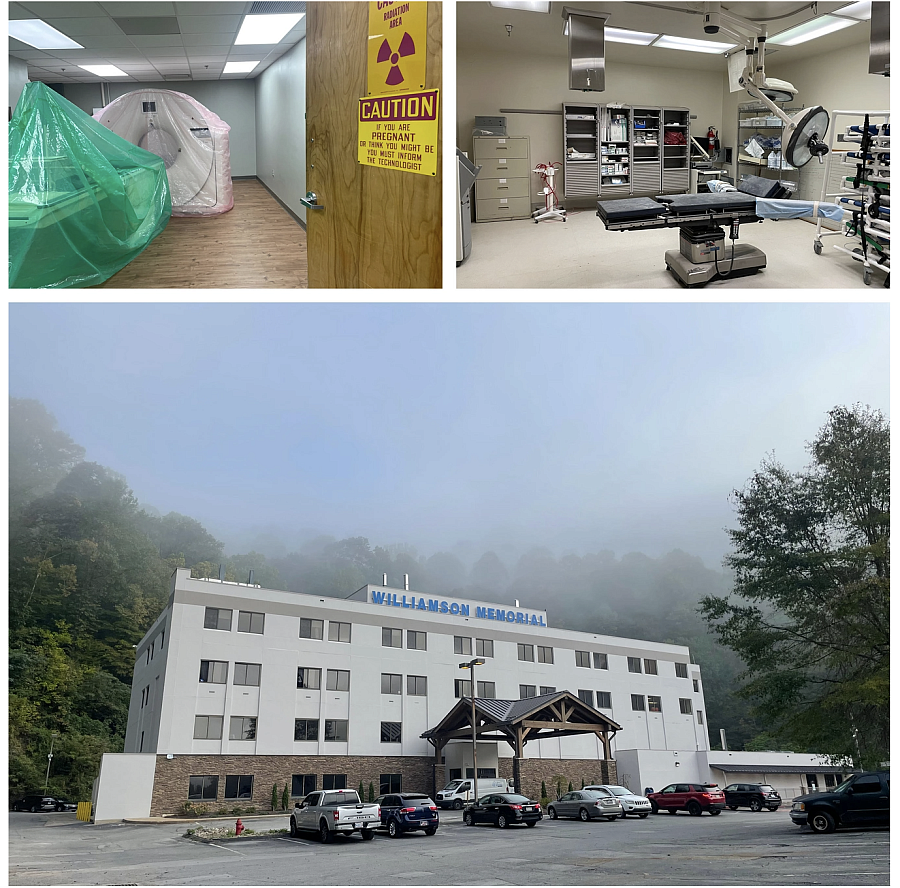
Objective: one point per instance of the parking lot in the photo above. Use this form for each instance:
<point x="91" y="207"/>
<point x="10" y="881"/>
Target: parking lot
<point x="736" y="848"/>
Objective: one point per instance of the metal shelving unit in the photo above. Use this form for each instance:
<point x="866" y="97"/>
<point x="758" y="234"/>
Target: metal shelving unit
<point x="760" y="120"/>
<point x="646" y="150"/>
<point x="581" y="135"/>
<point x="615" y="150"/>
<point x="676" y="158"/>
<point x="865" y="191"/>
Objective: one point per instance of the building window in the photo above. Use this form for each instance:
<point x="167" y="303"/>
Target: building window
<point x="484" y="647"/>
<point x="700" y="718"/>
<point x="306" y="729"/>
<point x="526" y="652"/>
<point x="309" y="679"/>
<point x="650" y="667"/>
<point x="391" y="638"/>
<point x="601" y="661"/>
<point x="586" y="697"/>
<point x="604" y="700"/>
<point x="681" y="670"/>
<point x="204" y="788"/>
<point x="696" y="686"/>
<point x="654" y="704"/>
<point x="634" y="664"/>
<point x="687" y="707"/>
<point x="487" y="690"/>
<point x="415" y="641"/>
<point x="462" y="645"/>
<point x="546" y="689"/>
<point x="217" y="618"/>
<point x="142" y="742"/>
<point x="302" y="785"/>
<point x="389" y="783"/>
<point x="162" y="639"/>
<point x="337" y="679"/>
<point x="239" y="786"/>
<point x="545" y="654"/>
<point x="207" y="727"/>
<point x="830" y="779"/>
<point x="243" y="727"/>
<point x="311" y="628"/>
<point x="463" y="688"/>
<point x="583" y="658"/>
<point x="391" y="684"/>
<point x="526" y="691"/>
<point x="338" y="631"/>
<point x="247" y="674"/>
<point x="417" y="685"/>
<point x="251" y="622"/>
<point x="334" y="781"/>
<point x="637" y="702"/>
<point x="335" y="732"/>
<point x="487" y="773"/>
<point x="214" y="671"/>
<point x="456" y="773"/>
<point x="390" y="732"/>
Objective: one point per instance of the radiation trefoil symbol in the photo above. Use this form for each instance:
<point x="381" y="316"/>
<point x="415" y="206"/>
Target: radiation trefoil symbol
<point x="385" y="54"/>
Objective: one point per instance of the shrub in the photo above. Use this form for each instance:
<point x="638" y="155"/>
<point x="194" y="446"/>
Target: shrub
<point x="274" y="796"/>
<point x="570" y="787"/>
<point x="371" y="792"/>
<point x="285" y="797"/>
<point x="544" y="790"/>
<point x="362" y="795"/>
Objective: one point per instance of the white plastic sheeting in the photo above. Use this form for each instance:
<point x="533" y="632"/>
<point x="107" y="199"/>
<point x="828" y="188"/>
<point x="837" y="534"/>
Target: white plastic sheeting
<point x="191" y="139"/>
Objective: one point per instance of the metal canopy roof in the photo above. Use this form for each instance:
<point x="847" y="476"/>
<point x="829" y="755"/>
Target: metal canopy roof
<point x="783" y="769"/>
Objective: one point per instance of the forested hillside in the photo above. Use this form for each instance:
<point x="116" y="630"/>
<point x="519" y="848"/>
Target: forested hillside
<point x="89" y="572"/>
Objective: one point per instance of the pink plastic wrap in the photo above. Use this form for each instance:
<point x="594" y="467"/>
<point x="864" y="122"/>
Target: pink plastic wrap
<point x="191" y="139"/>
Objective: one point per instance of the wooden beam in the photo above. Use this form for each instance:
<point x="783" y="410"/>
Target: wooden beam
<point x="577" y="726"/>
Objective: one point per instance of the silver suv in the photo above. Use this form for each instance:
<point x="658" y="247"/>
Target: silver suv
<point x="631" y="802"/>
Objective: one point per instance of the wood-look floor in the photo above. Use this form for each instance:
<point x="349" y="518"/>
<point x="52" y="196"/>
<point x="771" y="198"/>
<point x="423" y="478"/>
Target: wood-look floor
<point x="255" y="245"/>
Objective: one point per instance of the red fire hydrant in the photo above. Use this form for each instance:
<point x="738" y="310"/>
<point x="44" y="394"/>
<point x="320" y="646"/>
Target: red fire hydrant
<point x="238" y="827"/>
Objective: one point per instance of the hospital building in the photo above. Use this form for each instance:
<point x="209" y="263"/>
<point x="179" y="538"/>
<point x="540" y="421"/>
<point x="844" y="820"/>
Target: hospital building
<point x="237" y="688"/>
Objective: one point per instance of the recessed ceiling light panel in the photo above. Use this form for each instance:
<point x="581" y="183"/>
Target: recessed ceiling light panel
<point x="104" y="70"/>
<point x="861" y="11"/>
<point x="688" y="43"/>
<point x="527" y="5"/>
<point x="40" y="35"/>
<point x="239" y="67"/>
<point x="266" y="29"/>
<point x="818" y="27"/>
<point x="623" y="35"/>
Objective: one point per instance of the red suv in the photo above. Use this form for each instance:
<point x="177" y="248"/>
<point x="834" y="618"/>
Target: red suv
<point x="695" y="798"/>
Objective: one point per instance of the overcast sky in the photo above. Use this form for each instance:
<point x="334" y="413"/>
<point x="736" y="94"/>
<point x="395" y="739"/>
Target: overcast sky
<point x="579" y="427"/>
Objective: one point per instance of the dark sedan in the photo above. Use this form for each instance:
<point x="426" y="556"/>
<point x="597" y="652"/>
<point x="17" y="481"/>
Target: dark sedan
<point x="407" y="811"/>
<point x="503" y="809"/>
<point x="35" y="803"/>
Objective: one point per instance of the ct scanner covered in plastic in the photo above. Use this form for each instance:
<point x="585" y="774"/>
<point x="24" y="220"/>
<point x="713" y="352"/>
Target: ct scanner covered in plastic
<point x="191" y="139"/>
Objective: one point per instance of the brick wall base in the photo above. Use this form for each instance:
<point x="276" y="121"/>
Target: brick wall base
<point x="170" y="787"/>
<point x="558" y="772"/>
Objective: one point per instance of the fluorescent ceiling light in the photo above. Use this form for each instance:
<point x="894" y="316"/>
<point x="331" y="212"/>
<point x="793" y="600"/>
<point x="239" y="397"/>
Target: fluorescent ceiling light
<point x="239" y="67"/>
<point x="825" y="24"/>
<point x="622" y="35"/>
<point x="688" y="43"/>
<point x="40" y="35"/>
<point x="861" y="11"/>
<point x="527" y="5"/>
<point x="260" y="29"/>
<point x="104" y="70"/>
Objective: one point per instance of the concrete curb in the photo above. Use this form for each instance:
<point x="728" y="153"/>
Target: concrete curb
<point x="227" y="839"/>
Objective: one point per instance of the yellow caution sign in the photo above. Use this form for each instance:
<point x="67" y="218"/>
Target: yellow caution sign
<point x="400" y="132"/>
<point x="397" y="38"/>
<point x="84" y="811"/>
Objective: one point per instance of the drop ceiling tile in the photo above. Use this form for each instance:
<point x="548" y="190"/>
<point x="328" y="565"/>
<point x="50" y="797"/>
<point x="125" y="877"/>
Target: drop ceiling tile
<point x="29" y="54"/>
<point x="257" y="50"/>
<point x="74" y="27"/>
<point x="164" y="52"/>
<point x="245" y="57"/>
<point x="18" y="45"/>
<point x="44" y="10"/>
<point x="211" y="39"/>
<point x="212" y="8"/>
<point x="71" y="55"/>
<point x="157" y="40"/>
<point x="136" y="8"/>
<point x="202" y="24"/>
<point x="206" y="58"/>
<point x="89" y="41"/>
<point x="17" y="11"/>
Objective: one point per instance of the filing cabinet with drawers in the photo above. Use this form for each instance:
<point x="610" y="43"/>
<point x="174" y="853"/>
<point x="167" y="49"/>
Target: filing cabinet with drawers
<point x="502" y="187"/>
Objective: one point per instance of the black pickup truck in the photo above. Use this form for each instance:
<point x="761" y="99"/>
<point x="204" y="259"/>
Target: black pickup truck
<point x="861" y="800"/>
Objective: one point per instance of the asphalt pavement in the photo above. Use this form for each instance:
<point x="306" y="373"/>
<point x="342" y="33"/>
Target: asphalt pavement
<point x="735" y="848"/>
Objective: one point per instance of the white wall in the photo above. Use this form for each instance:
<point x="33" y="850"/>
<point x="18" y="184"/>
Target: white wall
<point x="124" y="787"/>
<point x="485" y="84"/>
<point x="281" y="127"/>
<point x="18" y="77"/>
<point x="233" y="100"/>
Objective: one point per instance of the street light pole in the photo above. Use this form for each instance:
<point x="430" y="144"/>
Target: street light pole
<point x="53" y="737"/>
<point x="471" y="664"/>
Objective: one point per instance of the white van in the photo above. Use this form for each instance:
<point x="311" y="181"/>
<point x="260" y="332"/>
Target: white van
<point x="457" y="792"/>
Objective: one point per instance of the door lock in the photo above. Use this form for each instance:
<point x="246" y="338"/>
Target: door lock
<point x="311" y="201"/>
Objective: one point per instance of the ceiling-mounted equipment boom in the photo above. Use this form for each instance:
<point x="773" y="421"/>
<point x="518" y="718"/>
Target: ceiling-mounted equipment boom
<point x="587" y="61"/>
<point x="805" y="131"/>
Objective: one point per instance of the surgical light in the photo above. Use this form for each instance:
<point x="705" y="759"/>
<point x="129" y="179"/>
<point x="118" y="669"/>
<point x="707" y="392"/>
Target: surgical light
<point x="687" y="43"/>
<point x="819" y="27"/>
<point x="265" y="29"/>
<point x="239" y="67"/>
<point x="527" y="5"/>
<point x="806" y="141"/>
<point x="861" y="11"/>
<point x="40" y="35"/>
<point x="104" y="70"/>
<point x="623" y="35"/>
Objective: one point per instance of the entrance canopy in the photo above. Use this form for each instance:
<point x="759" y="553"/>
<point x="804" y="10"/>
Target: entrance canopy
<point x="560" y="714"/>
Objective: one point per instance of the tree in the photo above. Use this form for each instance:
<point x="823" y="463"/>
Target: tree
<point x="809" y="612"/>
<point x="285" y="797"/>
<point x="274" y="796"/>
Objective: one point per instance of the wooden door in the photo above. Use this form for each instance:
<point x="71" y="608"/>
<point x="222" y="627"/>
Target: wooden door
<point x="379" y="228"/>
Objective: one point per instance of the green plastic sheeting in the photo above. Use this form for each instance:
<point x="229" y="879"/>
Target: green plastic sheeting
<point x="83" y="202"/>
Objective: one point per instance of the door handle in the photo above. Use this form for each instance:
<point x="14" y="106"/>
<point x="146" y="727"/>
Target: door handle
<point x="310" y="201"/>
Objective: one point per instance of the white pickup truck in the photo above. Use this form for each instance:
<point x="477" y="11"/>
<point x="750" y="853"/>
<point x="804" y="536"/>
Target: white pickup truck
<point x="332" y="811"/>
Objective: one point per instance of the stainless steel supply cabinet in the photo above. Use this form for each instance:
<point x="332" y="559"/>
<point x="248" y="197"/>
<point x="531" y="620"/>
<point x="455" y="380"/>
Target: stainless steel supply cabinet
<point x="646" y="150"/>
<point x="676" y="156"/>
<point x="581" y="147"/>
<point x="502" y="190"/>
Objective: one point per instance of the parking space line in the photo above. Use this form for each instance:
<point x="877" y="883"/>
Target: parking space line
<point x="293" y="841"/>
<point x="239" y="854"/>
